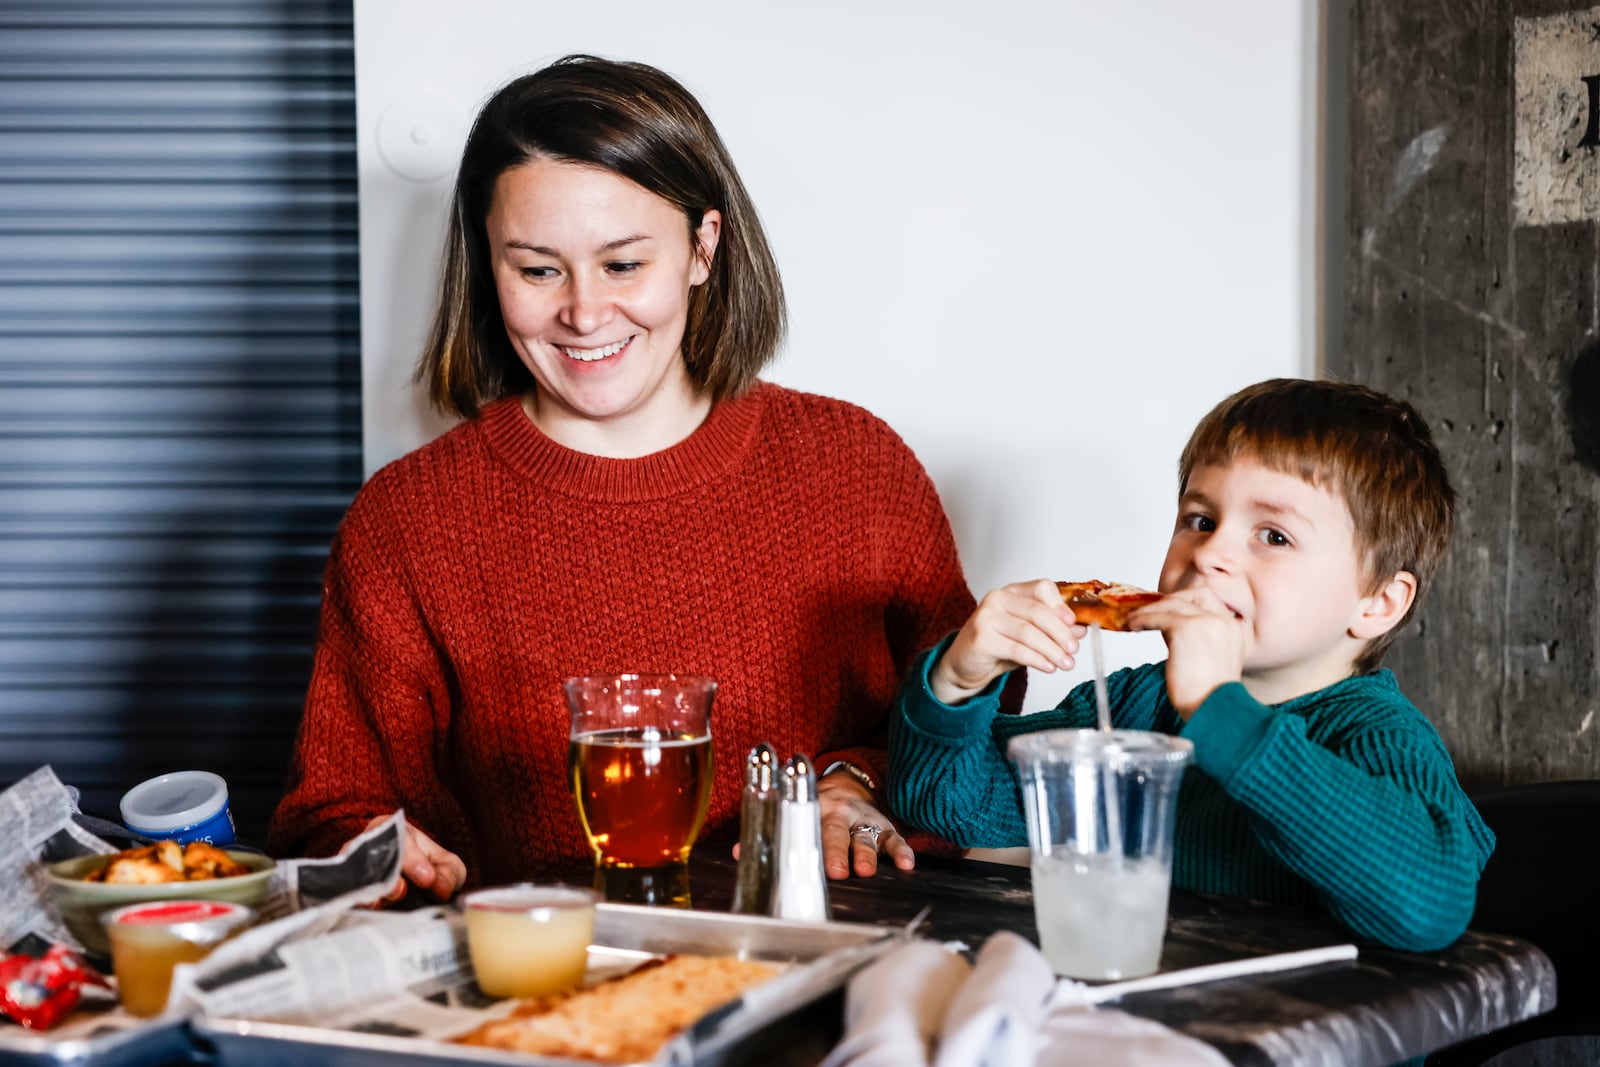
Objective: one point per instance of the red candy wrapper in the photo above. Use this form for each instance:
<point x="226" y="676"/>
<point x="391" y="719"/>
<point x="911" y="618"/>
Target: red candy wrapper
<point x="38" y="991"/>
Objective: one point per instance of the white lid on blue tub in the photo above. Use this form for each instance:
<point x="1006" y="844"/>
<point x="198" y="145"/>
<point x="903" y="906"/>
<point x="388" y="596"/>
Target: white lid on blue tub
<point x="173" y="801"/>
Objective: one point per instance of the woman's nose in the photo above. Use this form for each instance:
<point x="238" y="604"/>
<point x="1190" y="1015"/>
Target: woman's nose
<point x="585" y="309"/>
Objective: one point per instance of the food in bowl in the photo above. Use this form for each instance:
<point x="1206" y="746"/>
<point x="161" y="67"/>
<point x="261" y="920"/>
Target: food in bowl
<point x="167" y="861"/>
<point x="82" y="902"/>
<point x="626" y="1019"/>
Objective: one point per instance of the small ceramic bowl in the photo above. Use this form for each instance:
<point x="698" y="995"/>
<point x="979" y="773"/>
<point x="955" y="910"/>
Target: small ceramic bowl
<point x="82" y="903"/>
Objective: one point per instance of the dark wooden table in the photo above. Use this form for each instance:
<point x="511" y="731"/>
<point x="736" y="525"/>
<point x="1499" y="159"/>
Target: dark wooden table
<point x="1382" y="1008"/>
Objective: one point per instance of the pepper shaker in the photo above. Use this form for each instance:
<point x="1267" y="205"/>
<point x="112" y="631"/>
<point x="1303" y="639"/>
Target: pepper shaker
<point x="800" y="888"/>
<point x="758" y="828"/>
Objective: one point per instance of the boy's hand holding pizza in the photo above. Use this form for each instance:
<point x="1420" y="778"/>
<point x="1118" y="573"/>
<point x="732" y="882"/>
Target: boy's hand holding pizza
<point x="1205" y="644"/>
<point x="1026" y="624"/>
<point x="1037" y="624"/>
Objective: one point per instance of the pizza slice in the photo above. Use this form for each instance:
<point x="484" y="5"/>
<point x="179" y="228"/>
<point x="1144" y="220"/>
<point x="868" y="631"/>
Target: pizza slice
<point x="1104" y="603"/>
<point x="624" y="1020"/>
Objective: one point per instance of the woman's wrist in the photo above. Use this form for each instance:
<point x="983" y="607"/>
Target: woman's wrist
<point x="842" y="769"/>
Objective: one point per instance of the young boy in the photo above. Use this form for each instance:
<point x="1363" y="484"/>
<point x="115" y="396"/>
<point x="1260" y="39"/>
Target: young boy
<point x="1311" y="518"/>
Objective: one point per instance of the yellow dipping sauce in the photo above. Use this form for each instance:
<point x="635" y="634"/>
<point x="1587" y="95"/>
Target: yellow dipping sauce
<point x="149" y="940"/>
<point x="529" y="940"/>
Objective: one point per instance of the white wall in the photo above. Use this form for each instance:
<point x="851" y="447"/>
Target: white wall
<point x="1040" y="239"/>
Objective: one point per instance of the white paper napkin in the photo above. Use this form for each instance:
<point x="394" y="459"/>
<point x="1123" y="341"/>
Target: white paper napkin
<point x="1008" y="1010"/>
<point x="894" y="1007"/>
<point x="993" y="1019"/>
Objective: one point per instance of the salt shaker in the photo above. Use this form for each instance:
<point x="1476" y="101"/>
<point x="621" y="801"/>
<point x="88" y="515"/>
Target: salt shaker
<point x="800" y="888"/>
<point x="758" y="827"/>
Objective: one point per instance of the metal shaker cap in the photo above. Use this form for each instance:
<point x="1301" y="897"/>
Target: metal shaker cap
<point x="799" y="779"/>
<point x="761" y="768"/>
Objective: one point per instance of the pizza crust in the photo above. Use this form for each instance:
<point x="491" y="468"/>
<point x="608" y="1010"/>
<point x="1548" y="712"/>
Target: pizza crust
<point x="623" y="1020"/>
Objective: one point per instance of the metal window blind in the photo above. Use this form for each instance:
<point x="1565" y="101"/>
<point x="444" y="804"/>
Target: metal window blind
<point x="180" y="366"/>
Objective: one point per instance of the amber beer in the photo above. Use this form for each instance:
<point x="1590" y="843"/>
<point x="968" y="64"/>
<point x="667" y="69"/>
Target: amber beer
<point x="642" y="795"/>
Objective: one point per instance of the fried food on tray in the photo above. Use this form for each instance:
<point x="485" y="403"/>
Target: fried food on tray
<point x="1104" y="603"/>
<point x="627" y="1019"/>
<point x="168" y="861"/>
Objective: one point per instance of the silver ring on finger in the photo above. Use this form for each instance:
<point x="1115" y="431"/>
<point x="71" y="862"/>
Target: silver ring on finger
<point x="867" y="830"/>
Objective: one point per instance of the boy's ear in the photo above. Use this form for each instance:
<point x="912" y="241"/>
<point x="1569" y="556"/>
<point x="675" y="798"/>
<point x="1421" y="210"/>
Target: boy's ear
<point x="1383" y="610"/>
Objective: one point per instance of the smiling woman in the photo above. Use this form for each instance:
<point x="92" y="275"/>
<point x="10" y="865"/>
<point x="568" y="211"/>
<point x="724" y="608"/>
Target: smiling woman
<point x="625" y="495"/>
<point x="593" y="275"/>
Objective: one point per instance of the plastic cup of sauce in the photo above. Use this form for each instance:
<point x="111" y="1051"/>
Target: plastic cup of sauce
<point x="529" y="940"/>
<point x="149" y="940"/>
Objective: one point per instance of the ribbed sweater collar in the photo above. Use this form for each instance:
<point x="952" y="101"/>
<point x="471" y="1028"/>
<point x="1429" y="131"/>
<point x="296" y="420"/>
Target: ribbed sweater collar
<point x="715" y="448"/>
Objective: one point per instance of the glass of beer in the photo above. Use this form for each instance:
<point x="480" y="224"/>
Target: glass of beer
<point x="639" y="760"/>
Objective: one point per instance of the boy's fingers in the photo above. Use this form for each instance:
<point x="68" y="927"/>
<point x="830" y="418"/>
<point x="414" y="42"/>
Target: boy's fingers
<point x="1036" y="651"/>
<point x="1044" y="590"/>
<point x="1160" y="616"/>
<point x="1176" y="608"/>
<point x="1062" y="636"/>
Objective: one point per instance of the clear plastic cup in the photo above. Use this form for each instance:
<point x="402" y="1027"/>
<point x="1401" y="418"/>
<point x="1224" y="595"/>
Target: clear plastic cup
<point x="1100" y="807"/>
<point x="529" y="940"/>
<point x="148" y="941"/>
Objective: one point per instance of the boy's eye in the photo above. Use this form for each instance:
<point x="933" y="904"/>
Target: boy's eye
<point x="1275" y="538"/>
<point x="1200" y="523"/>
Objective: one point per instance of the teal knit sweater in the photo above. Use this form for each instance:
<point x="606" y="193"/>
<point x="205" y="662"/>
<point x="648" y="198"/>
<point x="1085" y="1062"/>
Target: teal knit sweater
<point x="1345" y="796"/>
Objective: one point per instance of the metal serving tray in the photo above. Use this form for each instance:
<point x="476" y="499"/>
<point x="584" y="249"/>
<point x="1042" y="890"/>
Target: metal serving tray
<point x="112" y="1041"/>
<point x="825" y="955"/>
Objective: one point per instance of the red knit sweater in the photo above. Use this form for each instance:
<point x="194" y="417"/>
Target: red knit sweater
<point x="792" y="548"/>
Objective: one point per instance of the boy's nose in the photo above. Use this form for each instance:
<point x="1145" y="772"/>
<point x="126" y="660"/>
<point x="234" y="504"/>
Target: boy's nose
<point x="1213" y="557"/>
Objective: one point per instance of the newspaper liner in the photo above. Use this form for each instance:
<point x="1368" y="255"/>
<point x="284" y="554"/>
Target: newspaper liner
<point x="321" y="960"/>
<point x="37" y="827"/>
<point x="313" y="954"/>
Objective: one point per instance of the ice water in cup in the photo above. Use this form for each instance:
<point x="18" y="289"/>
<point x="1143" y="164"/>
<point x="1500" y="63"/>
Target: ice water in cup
<point x="1100" y="807"/>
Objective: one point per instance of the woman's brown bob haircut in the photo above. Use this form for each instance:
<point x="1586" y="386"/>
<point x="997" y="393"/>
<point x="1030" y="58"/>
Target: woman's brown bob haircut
<point x="636" y="122"/>
<point x="1372" y="450"/>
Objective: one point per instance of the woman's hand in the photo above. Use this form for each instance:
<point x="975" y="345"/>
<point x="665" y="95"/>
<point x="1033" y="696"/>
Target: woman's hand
<point x="1026" y="624"/>
<point x="845" y="802"/>
<point x="425" y="864"/>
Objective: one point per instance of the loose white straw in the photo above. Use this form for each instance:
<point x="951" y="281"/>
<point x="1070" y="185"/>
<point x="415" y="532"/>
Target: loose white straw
<point x="1069" y="993"/>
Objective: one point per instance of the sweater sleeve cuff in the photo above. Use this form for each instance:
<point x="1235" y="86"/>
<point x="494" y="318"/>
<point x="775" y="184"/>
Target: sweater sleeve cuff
<point x="931" y="715"/>
<point x="1225" y="729"/>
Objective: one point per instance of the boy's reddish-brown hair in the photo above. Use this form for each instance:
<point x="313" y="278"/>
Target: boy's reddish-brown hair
<point x="1372" y="450"/>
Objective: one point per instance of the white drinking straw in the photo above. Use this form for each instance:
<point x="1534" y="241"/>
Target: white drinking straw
<point x="1108" y="776"/>
<point x="1101" y="699"/>
<point x="1068" y="993"/>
